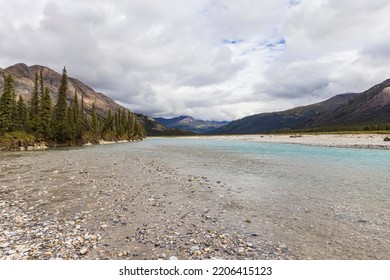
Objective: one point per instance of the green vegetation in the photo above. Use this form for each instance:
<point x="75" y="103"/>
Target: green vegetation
<point x="16" y="140"/>
<point x="24" y="123"/>
<point x="341" y="129"/>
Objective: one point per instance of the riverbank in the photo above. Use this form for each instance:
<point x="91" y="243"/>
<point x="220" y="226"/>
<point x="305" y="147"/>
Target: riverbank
<point x="72" y="204"/>
<point x="361" y="141"/>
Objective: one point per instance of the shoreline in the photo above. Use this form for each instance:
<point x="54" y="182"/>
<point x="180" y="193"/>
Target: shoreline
<point x="356" y="141"/>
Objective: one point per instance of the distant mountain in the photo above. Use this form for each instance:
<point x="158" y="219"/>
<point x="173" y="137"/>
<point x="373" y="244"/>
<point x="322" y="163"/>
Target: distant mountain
<point x="155" y="128"/>
<point x="371" y="107"/>
<point x="191" y="124"/>
<point x="24" y="77"/>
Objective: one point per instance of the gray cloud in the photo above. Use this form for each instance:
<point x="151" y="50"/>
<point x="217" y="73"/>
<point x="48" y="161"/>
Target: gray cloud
<point x="213" y="59"/>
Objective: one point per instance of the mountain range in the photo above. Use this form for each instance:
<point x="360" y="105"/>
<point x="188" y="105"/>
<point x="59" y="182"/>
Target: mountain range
<point x="190" y="124"/>
<point x="367" y="110"/>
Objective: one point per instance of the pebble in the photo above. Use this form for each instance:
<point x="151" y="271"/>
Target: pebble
<point x="31" y="233"/>
<point x="120" y="218"/>
<point x="84" y="251"/>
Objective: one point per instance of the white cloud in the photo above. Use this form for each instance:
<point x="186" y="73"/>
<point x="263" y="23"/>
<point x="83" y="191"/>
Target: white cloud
<point x="213" y="59"/>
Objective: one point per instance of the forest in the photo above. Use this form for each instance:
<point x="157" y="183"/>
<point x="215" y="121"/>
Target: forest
<point x="24" y="123"/>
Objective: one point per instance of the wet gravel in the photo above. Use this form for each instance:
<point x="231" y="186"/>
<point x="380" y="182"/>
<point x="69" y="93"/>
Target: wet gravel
<point x="97" y="203"/>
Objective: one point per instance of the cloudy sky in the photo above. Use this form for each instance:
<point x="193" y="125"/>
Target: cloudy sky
<point x="212" y="59"/>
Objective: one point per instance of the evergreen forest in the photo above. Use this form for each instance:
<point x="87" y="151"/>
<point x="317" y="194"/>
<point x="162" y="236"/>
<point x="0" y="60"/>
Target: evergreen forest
<point x="27" y="122"/>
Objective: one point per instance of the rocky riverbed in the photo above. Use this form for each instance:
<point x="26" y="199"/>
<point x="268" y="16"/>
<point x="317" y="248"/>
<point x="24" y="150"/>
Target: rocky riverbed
<point x="97" y="203"/>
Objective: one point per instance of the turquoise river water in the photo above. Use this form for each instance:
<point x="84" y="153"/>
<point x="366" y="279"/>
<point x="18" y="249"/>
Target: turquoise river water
<point x="321" y="202"/>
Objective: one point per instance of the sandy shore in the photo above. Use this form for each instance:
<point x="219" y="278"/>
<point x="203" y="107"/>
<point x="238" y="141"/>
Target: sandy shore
<point x="363" y="141"/>
<point x="93" y="203"/>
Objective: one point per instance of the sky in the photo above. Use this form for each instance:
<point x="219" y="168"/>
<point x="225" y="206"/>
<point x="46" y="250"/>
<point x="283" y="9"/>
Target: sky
<point x="211" y="59"/>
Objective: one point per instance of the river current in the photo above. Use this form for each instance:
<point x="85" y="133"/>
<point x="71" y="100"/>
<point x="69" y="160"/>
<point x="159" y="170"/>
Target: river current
<point x="320" y="202"/>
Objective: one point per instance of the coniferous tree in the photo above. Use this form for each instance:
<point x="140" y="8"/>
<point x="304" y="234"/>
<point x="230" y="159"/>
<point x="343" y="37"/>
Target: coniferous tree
<point x="70" y="115"/>
<point x="130" y="126"/>
<point x="41" y="84"/>
<point x="21" y="115"/>
<point x="75" y="120"/>
<point x="107" y="126"/>
<point x="82" y="111"/>
<point x="60" y="124"/>
<point x="123" y="123"/>
<point x="45" y="113"/>
<point x="78" y="118"/>
<point x="34" y="109"/>
<point x="95" y="124"/>
<point x="7" y="106"/>
<point x="136" y="129"/>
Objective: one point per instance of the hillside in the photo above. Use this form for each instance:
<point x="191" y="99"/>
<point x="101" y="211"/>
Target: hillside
<point x="191" y="124"/>
<point x="24" y="82"/>
<point x="370" y="108"/>
<point x="155" y="128"/>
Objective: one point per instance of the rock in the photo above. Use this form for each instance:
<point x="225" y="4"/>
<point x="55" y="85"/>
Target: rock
<point x="4" y="245"/>
<point x="194" y="248"/>
<point x="84" y="251"/>
<point x="386" y="138"/>
<point x="207" y="250"/>
<point x="173" y="258"/>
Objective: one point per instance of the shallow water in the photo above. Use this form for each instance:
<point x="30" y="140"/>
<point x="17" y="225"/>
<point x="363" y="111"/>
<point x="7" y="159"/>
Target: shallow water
<point x="321" y="202"/>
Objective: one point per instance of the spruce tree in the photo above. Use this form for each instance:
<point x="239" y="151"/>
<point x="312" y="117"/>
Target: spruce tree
<point x="60" y="125"/>
<point x="21" y="115"/>
<point x="78" y="118"/>
<point x="70" y="113"/>
<point x="107" y="126"/>
<point x="7" y="106"/>
<point x="130" y="126"/>
<point x="75" y="120"/>
<point x="95" y="124"/>
<point x="45" y="113"/>
<point x="41" y="84"/>
<point x="34" y="109"/>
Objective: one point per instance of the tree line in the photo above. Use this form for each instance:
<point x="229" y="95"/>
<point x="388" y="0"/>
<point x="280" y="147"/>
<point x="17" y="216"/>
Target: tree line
<point x="368" y="127"/>
<point x="65" y="122"/>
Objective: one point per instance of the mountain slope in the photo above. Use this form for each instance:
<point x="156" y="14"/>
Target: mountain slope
<point x="155" y="128"/>
<point x="24" y="77"/>
<point x="191" y="124"/>
<point x="345" y="110"/>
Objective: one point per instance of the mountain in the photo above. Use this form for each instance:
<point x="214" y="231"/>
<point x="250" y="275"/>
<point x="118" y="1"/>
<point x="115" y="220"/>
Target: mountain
<point x="155" y="128"/>
<point x="191" y="124"/>
<point x="344" y="111"/>
<point x="24" y="77"/>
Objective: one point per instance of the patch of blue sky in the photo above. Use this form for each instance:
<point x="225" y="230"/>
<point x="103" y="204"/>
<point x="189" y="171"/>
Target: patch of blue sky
<point x="273" y="46"/>
<point x="279" y="44"/>
<point x="232" y="42"/>
<point x="292" y="3"/>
